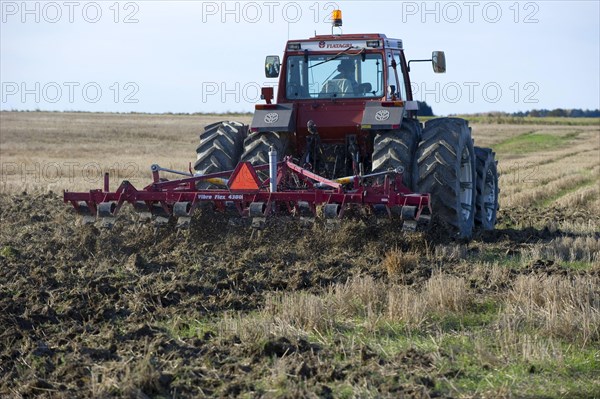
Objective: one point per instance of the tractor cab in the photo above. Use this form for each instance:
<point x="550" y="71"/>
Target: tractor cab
<point x="348" y="87"/>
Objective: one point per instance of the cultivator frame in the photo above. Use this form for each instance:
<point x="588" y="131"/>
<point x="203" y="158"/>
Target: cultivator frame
<point x="283" y="188"/>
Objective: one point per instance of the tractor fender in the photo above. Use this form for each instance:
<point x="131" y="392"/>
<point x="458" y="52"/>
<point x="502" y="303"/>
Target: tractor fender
<point x="376" y="116"/>
<point x="277" y="119"/>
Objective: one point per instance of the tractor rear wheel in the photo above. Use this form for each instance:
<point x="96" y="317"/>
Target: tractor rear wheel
<point x="486" y="202"/>
<point x="257" y="146"/>
<point x="393" y="148"/>
<point x="220" y="147"/>
<point x="446" y="170"/>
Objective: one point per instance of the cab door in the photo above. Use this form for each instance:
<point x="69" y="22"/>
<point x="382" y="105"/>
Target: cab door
<point x="395" y="75"/>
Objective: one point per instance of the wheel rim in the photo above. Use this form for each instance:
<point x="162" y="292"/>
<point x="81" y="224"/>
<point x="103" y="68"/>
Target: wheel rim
<point x="489" y="195"/>
<point x="466" y="184"/>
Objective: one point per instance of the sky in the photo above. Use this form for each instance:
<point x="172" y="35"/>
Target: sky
<point x="208" y="56"/>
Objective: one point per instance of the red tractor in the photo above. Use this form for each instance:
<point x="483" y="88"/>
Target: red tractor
<point x="345" y="107"/>
<point x="343" y="133"/>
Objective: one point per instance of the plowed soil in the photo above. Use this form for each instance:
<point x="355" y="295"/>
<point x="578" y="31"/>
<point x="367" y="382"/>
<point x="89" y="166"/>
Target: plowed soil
<point x="137" y="311"/>
<point x="79" y="304"/>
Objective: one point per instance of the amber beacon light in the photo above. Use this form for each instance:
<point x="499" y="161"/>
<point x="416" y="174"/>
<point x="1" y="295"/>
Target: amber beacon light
<point x="336" y="17"/>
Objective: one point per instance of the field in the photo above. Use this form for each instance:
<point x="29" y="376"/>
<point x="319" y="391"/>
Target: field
<point x="367" y="311"/>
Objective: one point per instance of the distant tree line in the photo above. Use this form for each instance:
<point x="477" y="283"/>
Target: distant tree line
<point x="541" y="113"/>
<point x="560" y="112"/>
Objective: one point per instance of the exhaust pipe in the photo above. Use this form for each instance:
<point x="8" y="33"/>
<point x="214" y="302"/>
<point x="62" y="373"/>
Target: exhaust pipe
<point x="272" y="169"/>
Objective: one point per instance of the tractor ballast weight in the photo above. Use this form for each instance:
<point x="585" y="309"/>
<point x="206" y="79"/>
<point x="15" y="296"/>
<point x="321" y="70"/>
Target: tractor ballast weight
<point x="343" y="132"/>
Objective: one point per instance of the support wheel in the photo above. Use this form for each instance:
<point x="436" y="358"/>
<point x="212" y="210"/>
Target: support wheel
<point x="446" y="170"/>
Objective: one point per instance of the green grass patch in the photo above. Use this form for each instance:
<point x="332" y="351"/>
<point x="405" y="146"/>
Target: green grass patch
<point x="497" y="255"/>
<point x="530" y="120"/>
<point x="533" y="142"/>
<point x="183" y="328"/>
<point x="9" y="252"/>
<point x="576" y="265"/>
<point x="478" y="365"/>
<point x="467" y="352"/>
<point x="544" y="202"/>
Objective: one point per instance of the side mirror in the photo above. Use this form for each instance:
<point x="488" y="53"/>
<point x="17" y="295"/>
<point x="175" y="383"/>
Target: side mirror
<point x="392" y="90"/>
<point x="438" y="60"/>
<point x="272" y="65"/>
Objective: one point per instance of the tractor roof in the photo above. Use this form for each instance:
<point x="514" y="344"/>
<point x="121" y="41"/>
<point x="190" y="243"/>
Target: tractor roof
<point x="339" y="42"/>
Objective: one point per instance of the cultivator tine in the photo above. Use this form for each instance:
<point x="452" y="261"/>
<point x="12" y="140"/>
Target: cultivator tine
<point x="183" y="211"/>
<point x="303" y="208"/>
<point x="161" y="216"/>
<point x="305" y="213"/>
<point x="142" y="210"/>
<point x="231" y="209"/>
<point x="382" y="213"/>
<point x="408" y="214"/>
<point x="87" y="216"/>
<point x="160" y="221"/>
<point x="333" y="214"/>
<point x="409" y="225"/>
<point x="106" y="214"/>
<point x="257" y="212"/>
<point x="425" y="220"/>
<point x="332" y="211"/>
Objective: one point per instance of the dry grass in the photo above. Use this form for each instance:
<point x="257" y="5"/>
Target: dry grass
<point x="567" y="175"/>
<point x="360" y="299"/>
<point x="490" y="276"/>
<point x="451" y="252"/>
<point x="447" y="293"/>
<point x="43" y="151"/>
<point x="406" y="305"/>
<point x="303" y="311"/>
<point x="534" y="317"/>
<point x="493" y="313"/>
<point x="554" y="306"/>
<point x="396" y="263"/>
<point x="138" y="377"/>
<point x="568" y="249"/>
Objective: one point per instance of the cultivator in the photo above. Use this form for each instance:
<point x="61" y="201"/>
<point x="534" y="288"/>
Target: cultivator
<point x="257" y="193"/>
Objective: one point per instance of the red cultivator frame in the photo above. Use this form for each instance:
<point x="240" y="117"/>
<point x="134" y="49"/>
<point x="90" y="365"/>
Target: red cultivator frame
<point x="284" y="188"/>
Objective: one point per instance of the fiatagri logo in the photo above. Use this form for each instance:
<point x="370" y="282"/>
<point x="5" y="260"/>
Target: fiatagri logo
<point x="323" y="44"/>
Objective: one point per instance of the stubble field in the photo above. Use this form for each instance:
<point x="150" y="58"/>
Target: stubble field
<point x="366" y="311"/>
